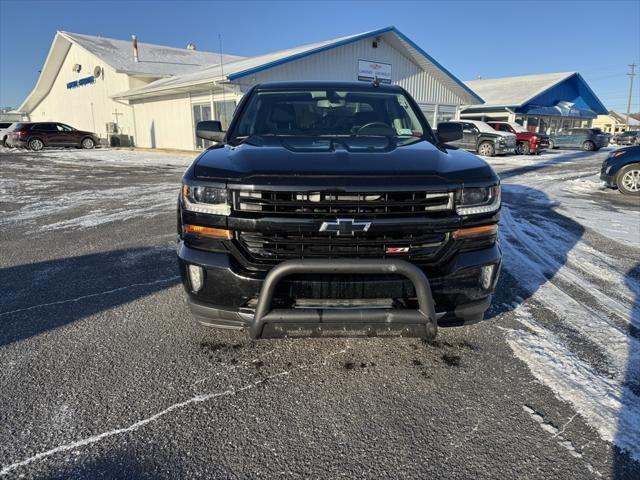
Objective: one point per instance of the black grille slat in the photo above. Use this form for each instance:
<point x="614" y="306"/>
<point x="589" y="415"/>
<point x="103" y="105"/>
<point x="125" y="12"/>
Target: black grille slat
<point x="283" y="246"/>
<point x="340" y="203"/>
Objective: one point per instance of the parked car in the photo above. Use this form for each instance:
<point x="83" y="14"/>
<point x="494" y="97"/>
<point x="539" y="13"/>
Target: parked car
<point x="5" y="127"/>
<point x="621" y="170"/>
<point x="332" y="206"/>
<point x="628" y="138"/>
<point x="585" y="138"/>
<point x="37" y="135"/>
<point x="527" y="142"/>
<point x="479" y="137"/>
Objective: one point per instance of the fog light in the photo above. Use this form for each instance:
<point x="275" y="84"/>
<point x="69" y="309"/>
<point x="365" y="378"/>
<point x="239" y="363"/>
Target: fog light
<point x="487" y="276"/>
<point x="196" y="276"/>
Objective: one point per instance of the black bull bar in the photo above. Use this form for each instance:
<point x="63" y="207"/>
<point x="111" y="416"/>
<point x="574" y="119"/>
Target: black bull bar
<point x="419" y="322"/>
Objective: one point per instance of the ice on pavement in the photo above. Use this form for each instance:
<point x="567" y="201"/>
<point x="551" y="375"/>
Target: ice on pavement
<point x="549" y="221"/>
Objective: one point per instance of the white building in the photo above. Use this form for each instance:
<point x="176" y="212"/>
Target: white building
<point x="157" y="98"/>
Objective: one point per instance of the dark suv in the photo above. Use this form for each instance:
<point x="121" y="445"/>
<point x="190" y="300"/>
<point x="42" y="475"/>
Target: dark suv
<point x="333" y="208"/>
<point x="37" y="135"/>
<point x="585" y="138"/>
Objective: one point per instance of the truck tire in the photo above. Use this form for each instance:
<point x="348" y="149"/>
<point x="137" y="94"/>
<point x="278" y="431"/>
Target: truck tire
<point x="588" y="146"/>
<point x="36" y="144"/>
<point x="523" y="148"/>
<point x="486" y="149"/>
<point x="628" y="179"/>
<point x="552" y="146"/>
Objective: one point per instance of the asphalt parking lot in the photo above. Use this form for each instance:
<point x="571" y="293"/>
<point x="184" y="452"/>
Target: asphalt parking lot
<point x="103" y="374"/>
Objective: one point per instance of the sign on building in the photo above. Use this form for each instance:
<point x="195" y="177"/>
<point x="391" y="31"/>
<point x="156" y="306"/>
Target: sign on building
<point x="368" y="71"/>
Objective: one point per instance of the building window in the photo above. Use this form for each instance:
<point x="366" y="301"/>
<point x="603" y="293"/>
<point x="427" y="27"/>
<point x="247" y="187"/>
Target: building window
<point x="202" y="112"/>
<point x="444" y="117"/>
<point x="223" y="111"/>
<point x="543" y="126"/>
<point x="532" y="124"/>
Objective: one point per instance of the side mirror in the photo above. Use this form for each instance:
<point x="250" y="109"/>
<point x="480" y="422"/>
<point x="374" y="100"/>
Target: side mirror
<point x="210" y="130"/>
<point x="449" y="132"/>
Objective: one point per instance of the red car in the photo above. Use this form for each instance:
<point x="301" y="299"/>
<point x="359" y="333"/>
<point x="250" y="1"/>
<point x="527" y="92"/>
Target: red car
<point x="527" y="142"/>
<point x="37" y="135"/>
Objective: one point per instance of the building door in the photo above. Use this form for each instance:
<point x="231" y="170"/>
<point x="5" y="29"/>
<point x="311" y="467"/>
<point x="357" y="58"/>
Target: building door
<point x="202" y="112"/>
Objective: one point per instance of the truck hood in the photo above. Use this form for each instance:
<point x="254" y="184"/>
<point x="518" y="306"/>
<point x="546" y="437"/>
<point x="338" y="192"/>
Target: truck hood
<point x="506" y="134"/>
<point x="340" y="164"/>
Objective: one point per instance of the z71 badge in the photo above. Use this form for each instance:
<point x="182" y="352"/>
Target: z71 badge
<point x="397" y="249"/>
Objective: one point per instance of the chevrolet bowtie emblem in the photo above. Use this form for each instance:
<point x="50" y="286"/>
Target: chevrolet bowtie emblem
<point x="345" y="226"/>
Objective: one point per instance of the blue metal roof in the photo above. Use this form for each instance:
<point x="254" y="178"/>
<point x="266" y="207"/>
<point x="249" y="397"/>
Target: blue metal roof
<point x="573" y="89"/>
<point x="346" y="41"/>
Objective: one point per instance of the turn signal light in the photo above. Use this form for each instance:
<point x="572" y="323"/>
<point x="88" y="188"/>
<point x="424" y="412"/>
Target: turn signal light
<point x="474" y="232"/>
<point x="208" y="232"/>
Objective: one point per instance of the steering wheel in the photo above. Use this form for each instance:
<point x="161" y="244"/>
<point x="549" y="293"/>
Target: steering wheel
<point x="376" y="124"/>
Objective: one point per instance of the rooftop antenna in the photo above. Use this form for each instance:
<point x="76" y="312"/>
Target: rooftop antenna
<point x="222" y="73"/>
<point x="376" y="82"/>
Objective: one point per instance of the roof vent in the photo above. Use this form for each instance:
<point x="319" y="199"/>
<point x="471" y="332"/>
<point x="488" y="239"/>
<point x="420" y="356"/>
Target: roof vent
<point x="191" y="46"/>
<point x="135" y="47"/>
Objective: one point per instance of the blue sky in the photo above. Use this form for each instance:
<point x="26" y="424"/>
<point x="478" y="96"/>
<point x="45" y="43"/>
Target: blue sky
<point x="470" y="38"/>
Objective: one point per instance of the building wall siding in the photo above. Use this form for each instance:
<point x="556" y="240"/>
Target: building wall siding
<point x="164" y="122"/>
<point x="341" y="64"/>
<point x="87" y="107"/>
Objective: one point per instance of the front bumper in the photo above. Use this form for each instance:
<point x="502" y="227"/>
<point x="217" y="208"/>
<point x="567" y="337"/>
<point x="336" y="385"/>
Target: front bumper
<point x="502" y="149"/>
<point x="608" y="179"/>
<point x="229" y="298"/>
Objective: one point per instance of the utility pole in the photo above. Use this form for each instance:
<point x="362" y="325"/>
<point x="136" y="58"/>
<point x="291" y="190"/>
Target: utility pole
<point x="631" y="75"/>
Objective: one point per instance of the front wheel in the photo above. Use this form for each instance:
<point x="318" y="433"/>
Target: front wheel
<point x="523" y="148"/>
<point x="552" y="146"/>
<point x="88" y="143"/>
<point x="487" y="149"/>
<point x="628" y="179"/>
<point x="588" y="146"/>
<point x="36" y="144"/>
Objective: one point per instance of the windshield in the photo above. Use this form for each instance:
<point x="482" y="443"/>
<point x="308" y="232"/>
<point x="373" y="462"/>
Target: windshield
<point x="329" y="113"/>
<point x="485" y="127"/>
<point x="518" y="128"/>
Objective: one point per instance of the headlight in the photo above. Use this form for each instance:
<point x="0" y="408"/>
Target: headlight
<point x="206" y="199"/>
<point x="473" y="201"/>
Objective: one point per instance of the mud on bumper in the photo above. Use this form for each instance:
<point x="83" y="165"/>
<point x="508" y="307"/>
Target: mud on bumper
<point x="233" y="298"/>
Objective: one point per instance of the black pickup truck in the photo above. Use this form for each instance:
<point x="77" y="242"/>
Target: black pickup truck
<point x="331" y="209"/>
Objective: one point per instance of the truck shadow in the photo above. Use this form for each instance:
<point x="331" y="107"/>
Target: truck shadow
<point x="625" y="467"/>
<point x="535" y="240"/>
<point x="46" y="295"/>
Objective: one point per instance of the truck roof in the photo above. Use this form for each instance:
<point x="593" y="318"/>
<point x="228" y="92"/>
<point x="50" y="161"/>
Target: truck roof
<point x="327" y="84"/>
